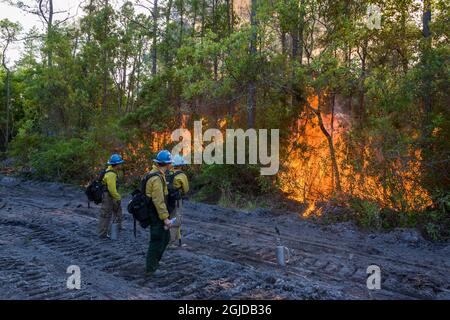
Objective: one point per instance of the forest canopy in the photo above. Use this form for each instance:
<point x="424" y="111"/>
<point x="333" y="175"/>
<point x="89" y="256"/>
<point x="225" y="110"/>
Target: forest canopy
<point x="363" y="112"/>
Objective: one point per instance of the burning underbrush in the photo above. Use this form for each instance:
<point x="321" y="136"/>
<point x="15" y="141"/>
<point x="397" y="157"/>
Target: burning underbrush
<point x="364" y="171"/>
<point x="364" y="181"/>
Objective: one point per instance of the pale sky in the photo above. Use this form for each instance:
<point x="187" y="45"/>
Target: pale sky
<point x="28" y="21"/>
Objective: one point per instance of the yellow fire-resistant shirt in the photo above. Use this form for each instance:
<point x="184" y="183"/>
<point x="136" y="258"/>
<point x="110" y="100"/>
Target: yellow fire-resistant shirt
<point x="180" y="181"/>
<point x="110" y="180"/>
<point x="157" y="190"/>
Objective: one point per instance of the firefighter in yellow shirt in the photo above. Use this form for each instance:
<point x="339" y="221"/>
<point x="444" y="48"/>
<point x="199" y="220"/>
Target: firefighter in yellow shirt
<point x="111" y="202"/>
<point x="178" y="187"/>
<point x="156" y="189"/>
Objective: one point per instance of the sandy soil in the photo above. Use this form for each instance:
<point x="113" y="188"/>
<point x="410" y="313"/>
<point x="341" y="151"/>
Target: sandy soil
<point x="45" y="227"/>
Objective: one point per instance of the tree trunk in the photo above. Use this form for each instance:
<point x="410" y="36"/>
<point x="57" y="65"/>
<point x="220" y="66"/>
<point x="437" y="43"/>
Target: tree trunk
<point x="105" y="66"/>
<point x="361" y="110"/>
<point x="334" y="165"/>
<point x="49" y="21"/>
<point x="425" y="55"/>
<point x="8" y="105"/>
<point x="123" y="85"/>
<point x="50" y="31"/>
<point x="168" y="11"/>
<point x="7" y="87"/>
<point x="155" y="30"/>
<point x="301" y="31"/>
<point x="404" y="53"/>
<point x="194" y="20"/>
<point x="283" y="43"/>
<point x="232" y="15"/>
<point x="228" y="16"/>
<point x="337" y="179"/>
<point x="214" y="3"/>
<point x="294" y="37"/>
<point x="251" y="102"/>
<point x="181" y="23"/>
<point x="202" y="31"/>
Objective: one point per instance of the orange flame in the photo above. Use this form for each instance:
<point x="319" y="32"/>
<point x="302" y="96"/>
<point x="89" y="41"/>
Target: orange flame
<point x="308" y="176"/>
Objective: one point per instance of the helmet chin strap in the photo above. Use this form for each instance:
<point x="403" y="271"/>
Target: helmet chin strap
<point x="161" y="169"/>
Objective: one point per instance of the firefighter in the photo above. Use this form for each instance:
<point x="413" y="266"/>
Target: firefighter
<point x="156" y="189"/>
<point x="179" y="185"/>
<point x="111" y="200"/>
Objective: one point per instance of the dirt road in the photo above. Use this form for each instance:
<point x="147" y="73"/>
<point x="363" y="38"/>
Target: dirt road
<point x="46" y="227"/>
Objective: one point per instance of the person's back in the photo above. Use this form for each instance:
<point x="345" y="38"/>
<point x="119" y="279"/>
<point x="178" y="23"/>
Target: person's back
<point x="111" y="200"/>
<point x="110" y="181"/>
<point x="180" y="183"/>
<point x="156" y="189"/>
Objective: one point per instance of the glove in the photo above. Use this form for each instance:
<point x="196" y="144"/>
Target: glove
<point x="167" y="224"/>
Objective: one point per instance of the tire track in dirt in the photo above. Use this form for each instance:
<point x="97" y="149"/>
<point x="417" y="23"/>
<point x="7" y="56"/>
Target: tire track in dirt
<point x="314" y="269"/>
<point x="230" y="255"/>
<point x="401" y="277"/>
<point x="190" y="276"/>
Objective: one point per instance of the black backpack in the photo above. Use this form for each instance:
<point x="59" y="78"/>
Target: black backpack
<point x="141" y="206"/>
<point x="94" y="191"/>
<point x="174" y="193"/>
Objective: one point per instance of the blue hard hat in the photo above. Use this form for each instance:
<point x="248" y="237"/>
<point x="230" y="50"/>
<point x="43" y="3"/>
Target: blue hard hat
<point x="178" y="161"/>
<point x="115" y="159"/>
<point x="163" y="157"/>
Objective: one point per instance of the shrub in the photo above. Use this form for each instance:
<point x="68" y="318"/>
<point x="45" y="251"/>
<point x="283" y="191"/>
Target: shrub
<point x="66" y="160"/>
<point x="24" y="146"/>
<point x="233" y="185"/>
<point x="435" y="223"/>
<point x="367" y="213"/>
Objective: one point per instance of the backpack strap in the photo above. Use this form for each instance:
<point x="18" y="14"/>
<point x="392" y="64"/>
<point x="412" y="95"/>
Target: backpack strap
<point x="106" y="171"/>
<point x="102" y="173"/>
<point x="144" y="183"/>
<point x="172" y="177"/>
<point x="177" y="173"/>
<point x="146" y="177"/>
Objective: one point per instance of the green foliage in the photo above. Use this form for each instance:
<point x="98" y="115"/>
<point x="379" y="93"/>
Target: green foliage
<point x="116" y="81"/>
<point x="367" y="214"/>
<point x="435" y="223"/>
<point x="232" y="184"/>
<point x="25" y="146"/>
<point x="67" y="160"/>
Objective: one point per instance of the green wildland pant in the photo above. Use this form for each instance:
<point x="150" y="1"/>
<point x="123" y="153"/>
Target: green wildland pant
<point x="159" y="239"/>
<point x="110" y="208"/>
